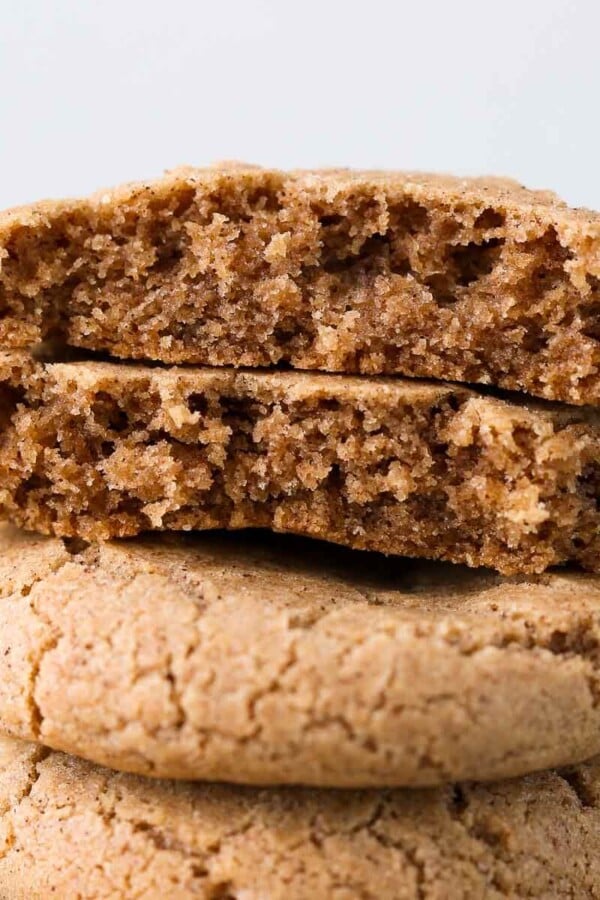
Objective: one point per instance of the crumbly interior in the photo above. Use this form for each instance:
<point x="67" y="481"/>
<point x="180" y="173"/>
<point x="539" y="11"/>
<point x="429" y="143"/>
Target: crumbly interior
<point x="73" y="830"/>
<point x="474" y="280"/>
<point x="98" y="450"/>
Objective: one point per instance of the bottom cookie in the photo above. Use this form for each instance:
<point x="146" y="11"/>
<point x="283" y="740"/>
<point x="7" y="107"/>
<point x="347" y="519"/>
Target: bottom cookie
<point x="71" y="829"/>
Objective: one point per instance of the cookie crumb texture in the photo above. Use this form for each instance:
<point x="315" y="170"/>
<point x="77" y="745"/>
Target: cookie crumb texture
<point x="475" y="280"/>
<point x="98" y="450"/>
<point x="270" y="660"/>
<point x="79" y="832"/>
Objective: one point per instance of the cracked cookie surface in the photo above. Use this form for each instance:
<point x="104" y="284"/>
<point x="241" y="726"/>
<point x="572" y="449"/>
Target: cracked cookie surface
<point x="98" y="450"/>
<point x="267" y="659"/>
<point x="76" y="831"/>
<point x="473" y="280"/>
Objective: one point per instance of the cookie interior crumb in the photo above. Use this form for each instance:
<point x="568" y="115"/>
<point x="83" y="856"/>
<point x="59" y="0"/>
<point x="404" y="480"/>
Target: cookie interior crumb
<point x="473" y="280"/>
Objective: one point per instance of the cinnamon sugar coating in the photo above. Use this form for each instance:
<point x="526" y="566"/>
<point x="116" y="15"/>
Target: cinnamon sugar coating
<point x="475" y="280"/>
<point x="98" y="450"/>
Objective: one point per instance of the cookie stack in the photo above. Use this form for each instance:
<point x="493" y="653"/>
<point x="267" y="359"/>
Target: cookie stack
<point x="232" y="349"/>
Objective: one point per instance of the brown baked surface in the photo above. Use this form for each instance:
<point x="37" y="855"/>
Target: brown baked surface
<point x="75" y="831"/>
<point x="103" y="449"/>
<point x="475" y="280"/>
<point x="268" y="659"/>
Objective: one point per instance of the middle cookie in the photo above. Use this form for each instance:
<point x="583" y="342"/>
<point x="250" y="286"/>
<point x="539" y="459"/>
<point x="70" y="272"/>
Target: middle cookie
<point x="274" y="660"/>
<point x="98" y="450"/>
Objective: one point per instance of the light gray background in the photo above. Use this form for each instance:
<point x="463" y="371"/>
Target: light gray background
<point x="93" y="93"/>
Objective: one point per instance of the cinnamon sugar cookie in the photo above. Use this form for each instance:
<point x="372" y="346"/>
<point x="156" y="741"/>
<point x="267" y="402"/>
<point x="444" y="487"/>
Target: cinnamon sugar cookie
<point x="72" y="830"/>
<point x="475" y="280"/>
<point x="273" y="660"/>
<point x="98" y="450"/>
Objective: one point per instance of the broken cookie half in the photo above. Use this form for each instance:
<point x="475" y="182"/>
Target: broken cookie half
<point x="97" y="450"/>
<point x="473" y="280"/>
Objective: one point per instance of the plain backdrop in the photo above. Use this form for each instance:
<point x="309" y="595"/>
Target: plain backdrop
<point x="93" y="93"/>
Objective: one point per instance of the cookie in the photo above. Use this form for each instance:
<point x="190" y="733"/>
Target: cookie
<point x="73" y="830"/>
<point x="264" y="659"/>
<point x="475" y="280"/>
<point x="98" y="450"/>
